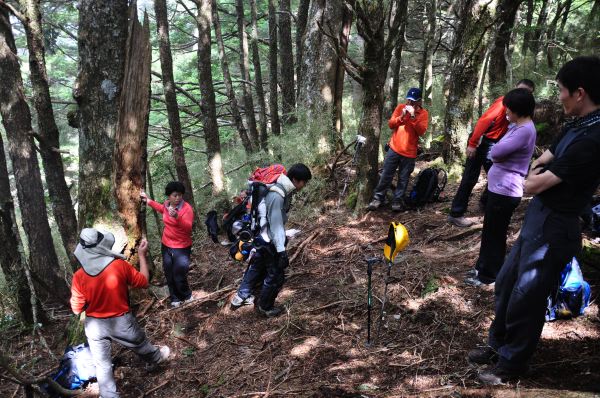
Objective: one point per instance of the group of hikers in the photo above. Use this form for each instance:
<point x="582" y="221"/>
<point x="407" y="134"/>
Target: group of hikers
<point x="563" y="181"/>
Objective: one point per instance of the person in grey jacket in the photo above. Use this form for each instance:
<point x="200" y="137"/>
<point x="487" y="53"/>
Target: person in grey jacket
<point x="268" y="264"/>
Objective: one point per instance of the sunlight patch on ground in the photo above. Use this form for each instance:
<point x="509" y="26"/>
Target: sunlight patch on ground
<point x="350" y="365"/>
<point x="420" y="382"/>
<point x="302" y="350"/>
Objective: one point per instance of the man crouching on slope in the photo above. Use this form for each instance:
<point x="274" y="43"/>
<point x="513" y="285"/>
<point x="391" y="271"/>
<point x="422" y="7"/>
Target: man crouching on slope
<point x="270" y="260"/>
<point x="100" y="288"/>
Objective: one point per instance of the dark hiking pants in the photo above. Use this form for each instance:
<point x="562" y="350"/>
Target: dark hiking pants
<point x="548" y="241"/>
<point x="263" y="269"/>
<point x="498" y="212"/>
<point x="176" y="264"/>
<point x="101" y="332"/>
<point x="471" y="176"/>
<point x="393" y="162"/>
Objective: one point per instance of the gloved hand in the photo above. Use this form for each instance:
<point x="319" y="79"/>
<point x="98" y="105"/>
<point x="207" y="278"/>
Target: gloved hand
<point x="282" y="260"/>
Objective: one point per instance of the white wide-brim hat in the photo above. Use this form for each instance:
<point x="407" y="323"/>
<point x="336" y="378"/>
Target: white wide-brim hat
<point x="94" y="250"/>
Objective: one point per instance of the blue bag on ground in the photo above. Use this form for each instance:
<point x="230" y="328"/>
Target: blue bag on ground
<point x="573" y="295"/>
<point x="76" y="367"/>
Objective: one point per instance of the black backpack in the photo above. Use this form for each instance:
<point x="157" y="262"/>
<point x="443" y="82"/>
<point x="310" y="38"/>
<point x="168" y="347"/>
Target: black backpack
<point x="427" y="187"/>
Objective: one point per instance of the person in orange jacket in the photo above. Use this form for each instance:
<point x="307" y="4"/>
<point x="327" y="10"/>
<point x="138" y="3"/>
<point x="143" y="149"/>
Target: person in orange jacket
<point x="489" y="129"/>
<point x="408" y="122"/>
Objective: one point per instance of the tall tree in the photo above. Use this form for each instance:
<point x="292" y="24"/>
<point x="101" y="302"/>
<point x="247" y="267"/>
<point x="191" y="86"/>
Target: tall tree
<point x="397" y="60"/>
<point x="129" y="168"/>
<point x="301" y="21"/>
<point x="16" y="120"/>
<point x="235" y="110"/>
<point x="338" y="90"/>
<point x="60" y="196"/>
<point x="97" y="92"/>
<point x="11" y="262"/>
<point x="540" y="29"/>
<point x="168" y="82"/>
<point x="426" y="77"/>
<point x="208" y="103"/>
<point x="244" y="70"/>
<point x="286" y="57"/>
<point x="466" y="55"/>
<point x="258" y="80"/>
<point x="499" y="57"/>
<point x="528" y="29"/>
<point x="273" y="106"/>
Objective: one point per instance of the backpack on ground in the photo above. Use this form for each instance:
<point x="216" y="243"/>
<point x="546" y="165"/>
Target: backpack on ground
<point x="76" y="368"/>
<point x="573" y="295"/>
<point x="427" y="187"/>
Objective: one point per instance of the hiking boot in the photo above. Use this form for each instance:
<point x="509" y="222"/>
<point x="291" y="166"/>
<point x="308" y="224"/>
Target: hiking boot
<point x="484" y="355"/>
<point x="165" y="353"/>
<point x="497" y="375"/>
<point x="398" y="206"/>
<point x="237" y="301"/>
<point x="175" y="304"/>
<point x="461" y="221"/>
<point x="374" y="205"/>
<point x="270" y="313"/>
<point x="476" y="282"/>
<point x="472" y="273"/>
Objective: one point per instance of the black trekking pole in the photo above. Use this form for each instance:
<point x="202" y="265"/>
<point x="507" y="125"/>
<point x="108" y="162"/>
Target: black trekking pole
<point x="370" y="262"/>
<point x="382" y="312"/>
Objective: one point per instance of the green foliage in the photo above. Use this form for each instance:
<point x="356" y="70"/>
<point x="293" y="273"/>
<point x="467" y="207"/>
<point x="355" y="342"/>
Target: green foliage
<point x="432" y="286"/>
<point x="351" y="200"/>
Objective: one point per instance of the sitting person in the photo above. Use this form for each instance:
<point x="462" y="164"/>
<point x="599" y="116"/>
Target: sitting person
<point x="100" y="288"/>
<point x="176" y="248"/>
<point x="510" y="157"/>
<point x="408" y="122"/>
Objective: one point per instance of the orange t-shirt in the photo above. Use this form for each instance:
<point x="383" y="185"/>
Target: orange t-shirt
<point x="105" y="295"/>
<point x="492" y="124"/>
<point x="405" y="138"/>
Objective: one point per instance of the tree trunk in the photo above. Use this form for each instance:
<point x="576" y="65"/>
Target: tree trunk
<point x="258" y="80"/>
<point x="60" y="196"/>
<point x="209" y="107"/>
<point x="338" y="91"/>
<point x="235" y="110"/>
<point x="129" y="168"/>
<point x="528" y="22"/>
<point x="590" y="41"/>
<point x="540" y="28"/>
<point x="551" y="34"/>
<point x="397" y="61"/>
<point x="301" y="21"/>
<point x="498" y="59"/>
<point x="466" y="56"/>
<point x="244" y="70"/>
<point x="97" y="92"/>
<point x="10" y="258"/>
<point x="16" y="119"/>
<point x="286" y="57"/>
<point x="273" y="107"/>
<point x="426" y="76"/>
<point x="168" y="81"/>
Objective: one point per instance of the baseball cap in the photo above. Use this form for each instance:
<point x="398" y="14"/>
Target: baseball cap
<point x="414" y="94"/>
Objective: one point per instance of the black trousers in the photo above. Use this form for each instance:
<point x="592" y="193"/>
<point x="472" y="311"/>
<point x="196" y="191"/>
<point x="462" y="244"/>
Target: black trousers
<point x="263" y="268"/>
<point x="176" y="264"/>
<point x="548" y="240"/>
<point x="471" y="176"/>
<point x="498" y="212"/>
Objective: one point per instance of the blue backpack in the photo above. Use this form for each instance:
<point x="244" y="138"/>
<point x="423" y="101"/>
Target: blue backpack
<point x="76" y="368"/>
<point x="572" y="296"/>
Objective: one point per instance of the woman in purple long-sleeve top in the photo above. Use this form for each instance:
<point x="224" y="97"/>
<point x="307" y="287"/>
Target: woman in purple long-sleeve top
<point x="510" y="157"/>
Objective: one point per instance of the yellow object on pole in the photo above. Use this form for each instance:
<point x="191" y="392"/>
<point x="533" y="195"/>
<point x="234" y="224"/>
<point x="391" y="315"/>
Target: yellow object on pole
<point x="396" y="241"/>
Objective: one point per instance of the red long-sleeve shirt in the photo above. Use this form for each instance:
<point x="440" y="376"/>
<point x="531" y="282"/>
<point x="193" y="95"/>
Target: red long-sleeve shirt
<point x="492" y="124"/>
<point x="405" y="138"/>
<point x="105" y="295"/>
<point x="178" y="230"/>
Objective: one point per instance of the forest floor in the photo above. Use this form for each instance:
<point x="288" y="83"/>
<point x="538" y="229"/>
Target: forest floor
<point x="317" y="347"/>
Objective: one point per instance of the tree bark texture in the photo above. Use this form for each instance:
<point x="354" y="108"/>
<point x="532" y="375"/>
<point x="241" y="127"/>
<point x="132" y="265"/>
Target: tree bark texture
<point x="258" y="80"/>
<point x="426" y="78"/>
<point x="301" y="21"/>
<point x="10" y="257"/>
<point x="101" y="40"/>
<point x="286" y="57"/>
<point x="273" y="106"/>
<point x="235" y="110"/>
<point x="498" y="64"/>
<point x="396" y="62"/>
<point x="540" y="29"/>
<point x="208" y="104"/>
<point x="340" y="74"/>
<point x="466" y="56"/>
<point x="168" y="82"/>
<point x="129" y="168"/>
<point x="60" y="196"/>
<point x="528" y="22"/>
<point x="16" y="120"/>
<point x="244" y="70"/>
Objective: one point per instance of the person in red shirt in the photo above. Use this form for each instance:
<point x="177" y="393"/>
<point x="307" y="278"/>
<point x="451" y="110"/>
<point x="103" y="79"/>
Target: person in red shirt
<point x="408" y="122"/>
<point x="100" y="288"/>
<point x="489" y="129"/>
<point x="178" y="217"/>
